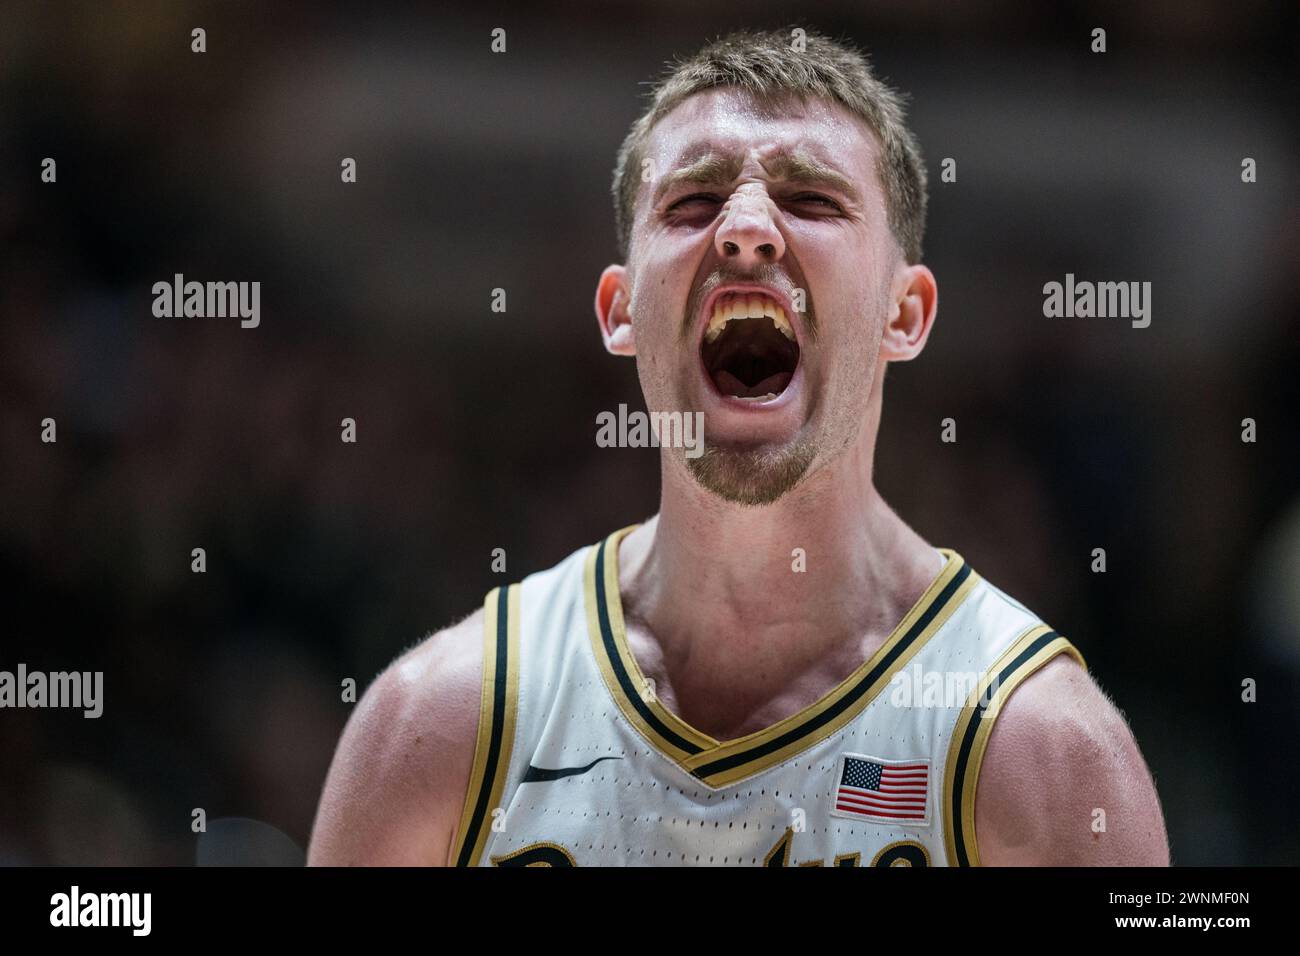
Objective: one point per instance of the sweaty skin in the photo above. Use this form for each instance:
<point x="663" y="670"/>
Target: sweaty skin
<point x="734" y="641"/>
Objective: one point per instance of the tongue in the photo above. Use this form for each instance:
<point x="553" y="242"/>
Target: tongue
<point x="728" y="384"/>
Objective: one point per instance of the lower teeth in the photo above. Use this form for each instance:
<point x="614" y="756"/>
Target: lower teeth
<point x="756" y="398"/>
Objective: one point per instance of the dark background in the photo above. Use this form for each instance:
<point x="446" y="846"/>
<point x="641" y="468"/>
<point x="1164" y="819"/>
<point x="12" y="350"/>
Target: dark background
<point x="476" y="429"/>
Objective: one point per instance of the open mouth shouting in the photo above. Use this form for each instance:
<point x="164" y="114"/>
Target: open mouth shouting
<point x="749" y="348"/>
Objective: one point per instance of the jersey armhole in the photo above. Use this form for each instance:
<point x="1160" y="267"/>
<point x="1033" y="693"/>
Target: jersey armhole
<point x="498" y="704"/>
<point x="970" y="737"/>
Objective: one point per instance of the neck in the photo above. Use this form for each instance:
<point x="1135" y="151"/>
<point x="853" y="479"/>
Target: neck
<point x="710" y="579"/>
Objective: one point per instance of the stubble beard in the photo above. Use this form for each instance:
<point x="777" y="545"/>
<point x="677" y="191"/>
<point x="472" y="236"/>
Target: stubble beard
<point x="752" y="476"/>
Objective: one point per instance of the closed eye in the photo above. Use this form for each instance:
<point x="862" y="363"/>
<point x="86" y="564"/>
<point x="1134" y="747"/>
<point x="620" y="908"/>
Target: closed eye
<point x="695" y="197"/>
<point x="818" y="199"/>
<point x="712" y="198"/>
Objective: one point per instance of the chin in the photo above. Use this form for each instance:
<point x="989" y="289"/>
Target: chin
<point x="752" y="475"/>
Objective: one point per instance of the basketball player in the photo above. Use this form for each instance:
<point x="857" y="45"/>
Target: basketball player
<point x="762" y="673"/>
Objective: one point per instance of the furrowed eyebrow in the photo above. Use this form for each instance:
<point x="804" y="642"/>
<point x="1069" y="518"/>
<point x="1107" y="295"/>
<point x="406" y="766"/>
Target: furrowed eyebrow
<point x="801" y="168"/>
<point x="712" y="169"/>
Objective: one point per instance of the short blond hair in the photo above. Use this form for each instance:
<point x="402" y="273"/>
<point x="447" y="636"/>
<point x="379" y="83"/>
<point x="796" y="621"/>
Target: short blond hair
<point x="770" y="66"/>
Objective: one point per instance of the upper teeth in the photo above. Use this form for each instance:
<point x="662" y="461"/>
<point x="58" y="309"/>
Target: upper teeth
<point x="743" y="305"/>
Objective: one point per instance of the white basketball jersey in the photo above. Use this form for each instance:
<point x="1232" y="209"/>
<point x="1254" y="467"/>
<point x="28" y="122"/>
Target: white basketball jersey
<point x="578" y="763"/>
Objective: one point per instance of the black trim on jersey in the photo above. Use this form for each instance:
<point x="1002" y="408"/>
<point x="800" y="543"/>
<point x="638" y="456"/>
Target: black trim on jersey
<point x="498" y="719"/>
<point x="616" y="663"/>
<point x="868" y="679"/>
<point x="968" y="741"/>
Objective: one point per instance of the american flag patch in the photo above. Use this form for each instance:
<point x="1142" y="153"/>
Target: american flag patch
<point x="887" y="791"/>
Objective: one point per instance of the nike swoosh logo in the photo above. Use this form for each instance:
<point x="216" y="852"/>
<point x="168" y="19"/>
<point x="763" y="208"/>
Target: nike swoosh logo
<point x="542" y="774"/>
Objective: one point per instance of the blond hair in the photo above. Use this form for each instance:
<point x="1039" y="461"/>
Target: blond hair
<point x="770" y="66"/>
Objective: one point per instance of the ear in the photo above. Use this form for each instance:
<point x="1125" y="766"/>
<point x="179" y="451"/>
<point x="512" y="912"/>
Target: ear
<point x="914" y="302"/>
<point x="612" y="299"/>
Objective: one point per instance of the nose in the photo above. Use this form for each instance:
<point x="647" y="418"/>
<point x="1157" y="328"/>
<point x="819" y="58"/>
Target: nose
<point x="748" y="236"/>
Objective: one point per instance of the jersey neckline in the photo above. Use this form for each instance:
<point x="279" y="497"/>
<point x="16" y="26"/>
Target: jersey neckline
<point x="720" y="763"/>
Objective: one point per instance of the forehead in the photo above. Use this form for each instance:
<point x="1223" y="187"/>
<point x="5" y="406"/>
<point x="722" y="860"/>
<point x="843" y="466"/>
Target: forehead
<point x="732" y="122"/>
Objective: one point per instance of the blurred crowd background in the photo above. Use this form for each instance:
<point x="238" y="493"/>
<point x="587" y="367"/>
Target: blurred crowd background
<point x="476" y="429"/>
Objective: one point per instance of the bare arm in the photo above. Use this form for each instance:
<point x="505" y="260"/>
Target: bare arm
<point x="1060" y="752"/>
<point x="396" y="786"/>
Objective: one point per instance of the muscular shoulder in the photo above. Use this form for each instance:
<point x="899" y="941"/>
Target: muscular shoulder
<point x="399" y="776"/>
<point x="1063" y="781"/>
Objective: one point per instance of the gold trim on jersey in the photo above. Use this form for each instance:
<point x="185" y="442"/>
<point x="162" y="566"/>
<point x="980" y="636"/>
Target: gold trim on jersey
<point x="622" y="675"/>
<point x="539" y="854"/>
<point x="902" y="860"/>
<point x="718" y="764"/>
<point x="970" y="737"/>
<point x="496" y="723"/>
<point x="779" y="855"/>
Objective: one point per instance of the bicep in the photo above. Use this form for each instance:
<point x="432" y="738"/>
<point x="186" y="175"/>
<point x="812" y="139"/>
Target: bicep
<point x="1063" y="781"/>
